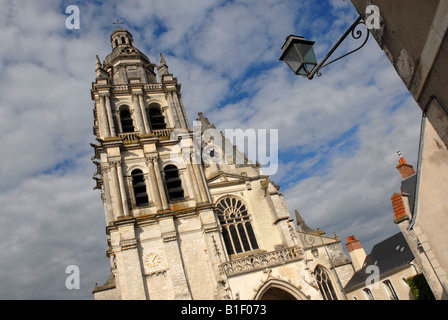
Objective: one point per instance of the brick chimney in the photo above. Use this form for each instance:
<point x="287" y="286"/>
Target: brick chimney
<point x="405" y="169"/>
<point x="357" y="253"/>
<point x="398" y="206"/>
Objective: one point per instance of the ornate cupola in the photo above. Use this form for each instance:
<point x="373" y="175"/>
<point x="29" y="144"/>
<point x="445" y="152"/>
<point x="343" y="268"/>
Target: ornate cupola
<point x="121" y="38"/>
<point x="126" y="63"/>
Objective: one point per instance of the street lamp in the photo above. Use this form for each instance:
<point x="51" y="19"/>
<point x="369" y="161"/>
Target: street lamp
<point x="298" y="52"/>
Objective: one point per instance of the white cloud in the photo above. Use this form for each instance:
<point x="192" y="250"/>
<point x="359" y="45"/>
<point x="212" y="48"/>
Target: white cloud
<point x="346" y="179"/>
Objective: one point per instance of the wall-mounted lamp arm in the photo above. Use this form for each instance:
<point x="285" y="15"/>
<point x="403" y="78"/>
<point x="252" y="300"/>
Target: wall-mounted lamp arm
<point x="356" y="36"/>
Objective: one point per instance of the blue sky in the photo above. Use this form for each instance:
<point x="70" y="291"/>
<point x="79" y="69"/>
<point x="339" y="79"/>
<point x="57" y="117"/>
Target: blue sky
<point x="338" y="134"/>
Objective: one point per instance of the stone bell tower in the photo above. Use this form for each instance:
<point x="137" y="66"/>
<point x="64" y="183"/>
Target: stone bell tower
<point x="179" y="226"/>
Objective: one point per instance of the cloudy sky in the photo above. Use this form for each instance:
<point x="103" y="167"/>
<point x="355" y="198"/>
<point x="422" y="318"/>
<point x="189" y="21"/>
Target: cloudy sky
<point x="338" y="134"/>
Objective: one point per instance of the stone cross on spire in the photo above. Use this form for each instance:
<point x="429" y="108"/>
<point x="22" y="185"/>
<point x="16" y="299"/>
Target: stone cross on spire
<point x="118" y="22"/>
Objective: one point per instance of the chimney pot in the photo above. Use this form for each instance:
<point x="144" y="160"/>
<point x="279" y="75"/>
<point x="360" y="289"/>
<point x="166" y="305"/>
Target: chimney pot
<point x="405" y="169"/>
<point x="357" y="253"/>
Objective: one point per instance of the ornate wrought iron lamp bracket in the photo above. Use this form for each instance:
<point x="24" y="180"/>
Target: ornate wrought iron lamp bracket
<point x="355" y="33"/>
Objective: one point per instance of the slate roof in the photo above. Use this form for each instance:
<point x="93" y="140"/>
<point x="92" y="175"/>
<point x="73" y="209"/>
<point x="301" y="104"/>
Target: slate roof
<point x="387" y="255"/>
<point x="408" y="186"/>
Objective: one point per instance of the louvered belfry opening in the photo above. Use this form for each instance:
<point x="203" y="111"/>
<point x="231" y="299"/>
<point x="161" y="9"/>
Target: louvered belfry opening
<point x="127" y="124"/>
<point x="173" y="183"/>
<point x="138" y="182"/>
<point x="156" y="119"/>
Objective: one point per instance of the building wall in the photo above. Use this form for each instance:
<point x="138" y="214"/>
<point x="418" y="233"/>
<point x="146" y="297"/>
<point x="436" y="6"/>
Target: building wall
<point x="413" y="36"/>
<point x="431" y="211"/>
<point x="379" y="290"/>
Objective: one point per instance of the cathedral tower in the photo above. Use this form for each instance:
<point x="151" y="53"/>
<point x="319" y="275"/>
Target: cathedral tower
<point x="181" y="227"/>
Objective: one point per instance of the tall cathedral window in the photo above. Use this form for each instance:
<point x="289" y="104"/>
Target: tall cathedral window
<point x="139" y="185"/>
<point x="156" y="119"/>
<point x="236" y="226"/>
<point x="127" y="125"/>
<point x="173" y="183"/>
<point x="325" y="285"/>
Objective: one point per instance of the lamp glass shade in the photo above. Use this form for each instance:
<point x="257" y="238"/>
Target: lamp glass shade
<point x="292" y="59"/>
<point x="298" y="53"/>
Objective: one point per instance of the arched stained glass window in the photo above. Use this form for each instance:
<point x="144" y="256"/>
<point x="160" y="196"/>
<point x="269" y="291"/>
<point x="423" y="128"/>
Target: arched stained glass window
<point x="325" y="285"/>
<point x="236" y="226"/>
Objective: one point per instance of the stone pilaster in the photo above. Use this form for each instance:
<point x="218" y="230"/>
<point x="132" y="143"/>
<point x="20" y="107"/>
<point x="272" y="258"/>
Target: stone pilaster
<point x="153" y="181"/>
<point x="102" y="118"/>
<point x="123" y="195"/>
<point x="128" y="263"/>
<point x="110" y="118"/>
<point x="138" y="113"/>
<point x="174" y="255"/>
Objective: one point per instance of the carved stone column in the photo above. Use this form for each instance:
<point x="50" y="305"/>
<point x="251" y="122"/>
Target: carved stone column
<point x="203" y="180"/>
<point x="138" y="112"/>
<point x="173" y="110"/>
<point x="118" y="212"/>
<point x="200" y="182"/>
<point x="124" y="198"/>
<point x="118" y="117"/>
<point x="180" y="111"/>
<point x="154" y="185"/>
<point x="110" y="115"/>
<point x="141" y="103"/>
<point x="191" y="177"/>
<point x="106" y="196"/>
<point x="102" y="118"/>
<point x="184" y="113"/>
<point x="161" y="185"/>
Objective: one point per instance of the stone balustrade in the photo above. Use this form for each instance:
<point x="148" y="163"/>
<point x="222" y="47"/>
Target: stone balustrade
<point x="261" y="261"/>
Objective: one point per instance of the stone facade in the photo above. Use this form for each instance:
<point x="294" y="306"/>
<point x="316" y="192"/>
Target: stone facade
<point x="183" y="228"/>
<point x="414" y="38"/>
